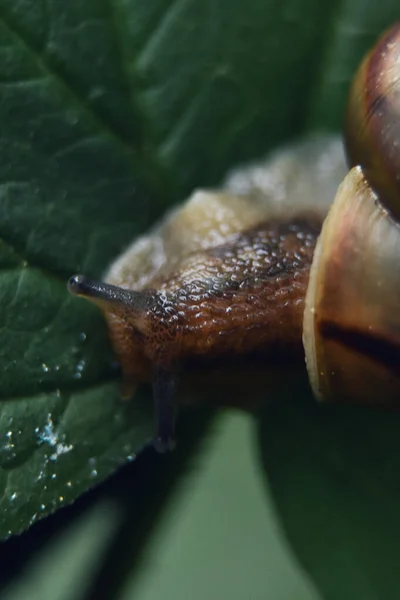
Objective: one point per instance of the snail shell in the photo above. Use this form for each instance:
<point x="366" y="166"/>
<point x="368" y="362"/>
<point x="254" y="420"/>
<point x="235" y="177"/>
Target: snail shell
<point x="352" y="318"/>
<point x="372" y="131"/>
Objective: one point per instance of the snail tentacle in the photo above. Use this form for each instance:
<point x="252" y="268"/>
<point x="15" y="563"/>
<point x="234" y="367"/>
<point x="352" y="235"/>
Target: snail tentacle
<point x="123" y="303"/>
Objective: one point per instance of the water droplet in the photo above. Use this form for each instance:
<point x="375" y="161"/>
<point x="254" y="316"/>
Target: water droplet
<point x="42" y="506"/>
<point x="48" y="435"/>
<point x="61" y="498"/>
<point x="83" y="337"/>
<point x="33" y="518"/>
<point x="51" y="437"/>
<point x="54" y="475"/>
<point x="13" y="496"/>
<point x="79" y="368"/>
<point x="93" y="473"/>
<point x="45" y="368"/>
<point x="69" y="484"/>
<point x="9" y="445"/>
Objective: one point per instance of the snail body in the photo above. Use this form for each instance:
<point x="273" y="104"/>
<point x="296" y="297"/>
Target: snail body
<point x="246" y="272"/>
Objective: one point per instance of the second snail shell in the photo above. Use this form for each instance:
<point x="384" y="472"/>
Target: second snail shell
<point x="352" y="318"/>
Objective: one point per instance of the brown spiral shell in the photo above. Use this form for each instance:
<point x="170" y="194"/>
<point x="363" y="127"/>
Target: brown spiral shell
<point x="372" y="131"/>
<point x="351" y="328"/>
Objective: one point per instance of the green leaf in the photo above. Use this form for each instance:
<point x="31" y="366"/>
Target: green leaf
<point x="110" y="110"/>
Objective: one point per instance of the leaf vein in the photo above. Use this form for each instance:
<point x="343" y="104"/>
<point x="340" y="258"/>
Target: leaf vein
<point x="48" y="70"/>
<point x="142" y="159"/>
<point x="165" y="21"/>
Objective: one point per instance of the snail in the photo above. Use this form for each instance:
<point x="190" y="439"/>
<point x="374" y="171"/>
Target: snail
<point x="269" y="271"/>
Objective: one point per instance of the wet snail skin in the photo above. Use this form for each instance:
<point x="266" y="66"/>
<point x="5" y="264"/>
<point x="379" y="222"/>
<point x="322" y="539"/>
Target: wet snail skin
<point x="265" y="271"/>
